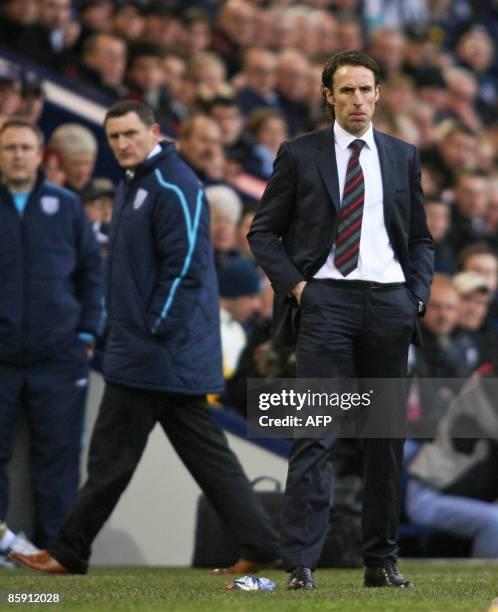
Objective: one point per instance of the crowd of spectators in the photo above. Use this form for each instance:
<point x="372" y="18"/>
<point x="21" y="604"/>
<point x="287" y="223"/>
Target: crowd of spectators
<point x="229" y="81"/>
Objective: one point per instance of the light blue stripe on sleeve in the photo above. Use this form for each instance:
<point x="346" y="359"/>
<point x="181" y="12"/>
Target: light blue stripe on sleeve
<point x="192" y="227"/>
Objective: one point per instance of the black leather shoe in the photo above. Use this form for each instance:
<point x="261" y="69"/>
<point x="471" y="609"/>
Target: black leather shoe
<point x="301" y="578"/>
<point x="386" y="575"/>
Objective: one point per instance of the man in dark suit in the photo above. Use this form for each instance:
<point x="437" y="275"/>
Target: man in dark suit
<point x="342" y="235"/>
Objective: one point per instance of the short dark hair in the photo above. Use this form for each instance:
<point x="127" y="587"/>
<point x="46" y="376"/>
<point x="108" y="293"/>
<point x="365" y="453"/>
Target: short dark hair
<point x="20" y="122"/>
<point x="346" y="58"/>
<point x="141" y="49"/>
<point x="219" y="99"/>
<point x="476" y="248"/>
<point x="144" y="112"/>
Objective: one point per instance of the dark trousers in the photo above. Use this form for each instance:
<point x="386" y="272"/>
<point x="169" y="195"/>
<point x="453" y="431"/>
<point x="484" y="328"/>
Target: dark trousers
<point x="126" y="417"/>
<point x="344" y="331"/>
<point x="52" y="395"/>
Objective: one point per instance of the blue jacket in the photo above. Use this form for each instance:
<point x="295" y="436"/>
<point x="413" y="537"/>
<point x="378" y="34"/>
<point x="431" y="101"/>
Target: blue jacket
<point x="161" y="288"/>
<point x="50" y="275"/>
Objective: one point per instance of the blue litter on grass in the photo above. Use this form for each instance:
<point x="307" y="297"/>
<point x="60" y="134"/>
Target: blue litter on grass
<point x="248" y="583"/>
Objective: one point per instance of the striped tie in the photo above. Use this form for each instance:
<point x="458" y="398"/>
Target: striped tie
<point x="347" y="242"/>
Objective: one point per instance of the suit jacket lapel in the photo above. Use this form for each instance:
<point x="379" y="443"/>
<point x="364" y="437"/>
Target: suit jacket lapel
<point x="388" y="169"/>
<point x="325" y="158"/>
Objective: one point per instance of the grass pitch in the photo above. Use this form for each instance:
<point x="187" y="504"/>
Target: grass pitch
<point x="440" y="586"/>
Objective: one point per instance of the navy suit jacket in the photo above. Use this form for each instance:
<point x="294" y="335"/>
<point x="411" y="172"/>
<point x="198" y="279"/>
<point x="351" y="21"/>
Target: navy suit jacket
<point x="294" y="227"/>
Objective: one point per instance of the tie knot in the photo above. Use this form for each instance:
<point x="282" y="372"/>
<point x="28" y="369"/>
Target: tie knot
<point x="356" y="146"/>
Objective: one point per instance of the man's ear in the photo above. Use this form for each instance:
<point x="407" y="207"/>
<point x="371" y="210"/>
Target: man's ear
<point x="156" y="129"/>
<point x="329" y="95"/>
<point x="377" y="92"/>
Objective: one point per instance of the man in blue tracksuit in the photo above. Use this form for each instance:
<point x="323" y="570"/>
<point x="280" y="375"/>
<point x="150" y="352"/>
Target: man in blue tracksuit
<point x="163" y="353"/>
<point x="50" y="311"/>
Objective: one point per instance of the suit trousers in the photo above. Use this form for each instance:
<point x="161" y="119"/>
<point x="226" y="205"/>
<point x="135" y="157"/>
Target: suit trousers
<point x="345" y="331"/>
<point x="126" y="417"/>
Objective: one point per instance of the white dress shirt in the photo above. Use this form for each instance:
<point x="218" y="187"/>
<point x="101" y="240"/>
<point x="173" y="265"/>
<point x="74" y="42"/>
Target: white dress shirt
<point x="377" y="261"/>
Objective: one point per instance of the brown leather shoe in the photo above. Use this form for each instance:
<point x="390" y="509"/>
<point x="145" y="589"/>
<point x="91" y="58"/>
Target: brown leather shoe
<point x="245" y="566"/>
<point x="41" y="562"/>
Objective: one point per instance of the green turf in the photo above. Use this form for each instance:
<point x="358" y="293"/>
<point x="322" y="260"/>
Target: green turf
<point x="439" y="586"/>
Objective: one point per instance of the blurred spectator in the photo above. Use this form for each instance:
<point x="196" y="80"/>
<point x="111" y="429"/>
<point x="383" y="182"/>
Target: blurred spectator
<point x="423" y="116"/>
<point x="269" y="129"/>
<point x="144" y="78"/>
<point x="281" y="28"/>
<point x="226" y="209"/>
<point x="195" y="36"/>
<point x="419" y="51"/>
<point x="103" y="64"/>
<point x="453" y="484"/>
<point x="235" y="30"/>
<point x="325" y="42"/>
<point x="97" y="198"/>
<point x="239" y="145"/>
<point x="480" y="258"/>
<point x="96" y="16"/>
<point x="55" y="32"/>
<point x="442" y="357"/>
<point x="387" y="47"/>
<point x="201" y="146"/>
<point x="293" y="88"/>
<point x="476" y="50"/>
<point x="76" y="148"/>
<point x="350" y="33"/>
<point x="263" y="34"/>
<point x="258" y="78"/>
<point x="32" y="98"/>
<point x="174" y="67"/>
<point x="456" y="151"/>
<point x="479" y="340"/>
<point x="471" y="200"/>
<point x="128" y="21"/>
<point x="10" y="89"/>
<point x="208" y="72"/>
<point x="240" y="300"/>
<point x="398" y="100"/>
<point x="438" y="222"/>
<point x="162" y="25"/>
<point x="474" y="299"/>
<point x="16" y="17"/>
<point x="432" y="89"/>
<point x="462" y="97"/>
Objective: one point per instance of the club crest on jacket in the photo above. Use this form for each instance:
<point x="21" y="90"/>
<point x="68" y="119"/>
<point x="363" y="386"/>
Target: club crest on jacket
<point x="49" y="204"/>
<point x="140" y="198"/>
